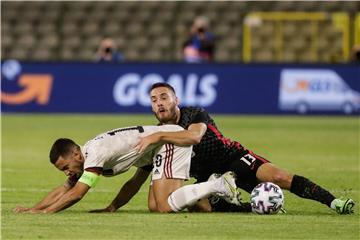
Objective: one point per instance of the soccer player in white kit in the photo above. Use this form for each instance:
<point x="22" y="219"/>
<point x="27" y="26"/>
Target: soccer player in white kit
<point x="113" y="153"/>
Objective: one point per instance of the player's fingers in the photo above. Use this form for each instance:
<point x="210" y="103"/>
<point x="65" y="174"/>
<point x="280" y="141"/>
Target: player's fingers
<point x="136" y="148"/>
<point x="19" y="209"/>
<point x="139" y="148"/>
<point x="16" y="210"/>
<point x="143" y="147"/>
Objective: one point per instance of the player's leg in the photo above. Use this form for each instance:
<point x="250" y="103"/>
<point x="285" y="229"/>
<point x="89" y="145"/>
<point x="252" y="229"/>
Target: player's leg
<point x="220" y="204"/>
<point x="301" y="186"/>
<point x="171" y="168"/>
<point x="162" y="190"/>
<point x="245" y="166"/>
<point x="202" y="205"/>
<point x="245" y="179"/>
<point x="298" y="185"/>
<point x="270" y="173"/>
<point x="245" y="170"/>
<point x="252" y="166"/>
<point x="151" y="200"/>
<point x="171" y="197"/>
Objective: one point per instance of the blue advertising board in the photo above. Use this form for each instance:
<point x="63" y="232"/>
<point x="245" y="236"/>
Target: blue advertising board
<point x="57" y="87"/>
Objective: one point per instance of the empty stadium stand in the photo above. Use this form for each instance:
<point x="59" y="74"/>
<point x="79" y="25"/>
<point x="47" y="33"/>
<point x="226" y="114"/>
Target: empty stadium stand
<point x="155" y="31"/>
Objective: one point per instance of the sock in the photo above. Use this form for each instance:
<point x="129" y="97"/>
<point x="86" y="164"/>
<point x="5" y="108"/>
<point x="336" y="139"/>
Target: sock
<point x="220" y="205"/>
<point x="188" y="195"/>
<point x="305" y="188"/>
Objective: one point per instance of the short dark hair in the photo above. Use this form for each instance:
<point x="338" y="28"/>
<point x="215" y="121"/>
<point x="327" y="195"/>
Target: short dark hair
<point x="61" y="147"/>
<point x="162" y="84"/>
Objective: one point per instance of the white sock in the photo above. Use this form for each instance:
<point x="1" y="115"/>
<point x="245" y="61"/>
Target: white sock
<point x="188" y="195"/>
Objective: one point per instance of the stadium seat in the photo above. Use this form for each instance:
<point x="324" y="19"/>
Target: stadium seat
<point x="71" y="27"/>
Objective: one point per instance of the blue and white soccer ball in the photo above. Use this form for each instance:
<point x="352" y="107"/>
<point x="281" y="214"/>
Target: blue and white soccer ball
<point x="267" y="198"/>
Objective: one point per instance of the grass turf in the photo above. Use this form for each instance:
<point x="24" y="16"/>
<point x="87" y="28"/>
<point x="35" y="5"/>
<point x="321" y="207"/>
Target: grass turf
<point x="324" y="149"/>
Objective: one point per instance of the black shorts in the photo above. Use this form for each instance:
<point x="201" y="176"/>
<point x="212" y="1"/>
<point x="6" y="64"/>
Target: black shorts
<point x="245" y="166"/>
<point x="244" y="163"/>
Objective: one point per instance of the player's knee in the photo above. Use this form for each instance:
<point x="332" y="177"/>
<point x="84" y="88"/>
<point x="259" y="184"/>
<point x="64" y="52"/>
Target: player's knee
<point x="281" y="178"/>
<point x="163" y="208"/>
<point x="152" y="206"/>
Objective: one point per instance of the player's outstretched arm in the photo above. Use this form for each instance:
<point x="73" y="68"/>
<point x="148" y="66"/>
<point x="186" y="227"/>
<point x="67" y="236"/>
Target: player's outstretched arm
<point x="68" y="199"/>
<point x="49" y="199"/>
<point x="127" y="191"/>
<point x="188" y="137"/>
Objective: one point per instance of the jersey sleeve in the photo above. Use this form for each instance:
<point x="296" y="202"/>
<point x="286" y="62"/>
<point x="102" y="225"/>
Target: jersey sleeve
<point x="94" y="158"/>
<point x="201" y="117"/>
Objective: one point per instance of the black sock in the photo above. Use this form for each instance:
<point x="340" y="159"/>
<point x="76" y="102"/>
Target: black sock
<point x="220" y="205"/>
<point x="305" y="188"/>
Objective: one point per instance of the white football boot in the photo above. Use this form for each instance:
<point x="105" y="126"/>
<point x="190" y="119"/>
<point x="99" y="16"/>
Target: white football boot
<point x="227" y="188"/>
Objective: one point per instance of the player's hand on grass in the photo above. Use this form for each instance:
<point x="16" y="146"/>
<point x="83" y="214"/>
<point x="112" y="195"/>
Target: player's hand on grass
<point x="28" y="210"/>
<point x="20" y="209"/>
<point x="36" y="211"/>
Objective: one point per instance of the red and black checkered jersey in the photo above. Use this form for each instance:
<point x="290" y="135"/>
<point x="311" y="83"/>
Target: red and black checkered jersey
<point x="214" y="149"/>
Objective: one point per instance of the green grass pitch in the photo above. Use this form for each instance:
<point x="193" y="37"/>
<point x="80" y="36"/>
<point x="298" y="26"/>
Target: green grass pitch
<point x="324" y="149"/>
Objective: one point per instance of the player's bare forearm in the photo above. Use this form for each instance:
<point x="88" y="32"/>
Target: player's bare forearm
<point x="192" y="136"/>
<point x="183" y="138"/>
<point x="62" y="204"/>
<point x="127" y="191"/>
<point x="130" y="188"/>
<point x="49" y="199"/>
<point x="68" y="199"/>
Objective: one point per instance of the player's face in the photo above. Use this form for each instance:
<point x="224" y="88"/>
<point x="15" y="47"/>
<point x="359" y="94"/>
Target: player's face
<point x="72" y="164"/>
<point x="164" y="104"/>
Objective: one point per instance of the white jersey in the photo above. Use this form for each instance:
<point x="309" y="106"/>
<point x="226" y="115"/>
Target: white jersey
<point x="114" y="151"/>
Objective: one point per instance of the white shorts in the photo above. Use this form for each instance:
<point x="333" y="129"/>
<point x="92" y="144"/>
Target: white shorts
<point x="172" y="162"/>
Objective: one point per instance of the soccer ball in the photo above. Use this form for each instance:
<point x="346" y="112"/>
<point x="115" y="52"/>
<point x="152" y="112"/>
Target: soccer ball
<point x="267" y="198"/>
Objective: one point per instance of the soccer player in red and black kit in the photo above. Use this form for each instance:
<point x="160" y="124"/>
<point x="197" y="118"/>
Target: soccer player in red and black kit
<point x="213" y="153"/>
